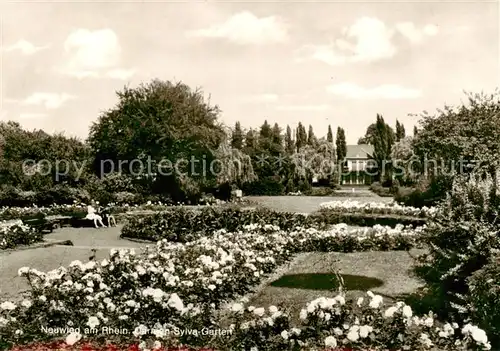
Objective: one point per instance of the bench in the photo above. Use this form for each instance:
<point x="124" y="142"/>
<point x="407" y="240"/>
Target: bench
<point x="40" y="224"/>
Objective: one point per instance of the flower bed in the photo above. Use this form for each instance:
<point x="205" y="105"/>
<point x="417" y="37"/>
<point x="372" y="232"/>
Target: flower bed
<point x="183" y="286"/>
<point x="9" y="213"/>
<point x="184" y="224"/>
<point x="391" y="208"/>
<point x="15" y="233"/>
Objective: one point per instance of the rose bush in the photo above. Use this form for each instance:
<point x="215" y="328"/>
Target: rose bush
<point x="14" y="233"/>
<point x="392" y="208"/>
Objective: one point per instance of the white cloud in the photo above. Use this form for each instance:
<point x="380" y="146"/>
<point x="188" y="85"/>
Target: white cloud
<point x="49" y="100"/>
<point x="303" y="108"/>
<point x="385" y="91"/>
<point x="414" y="34"/>
<point x="121" y="74"/>
<point x="246" y="28"/>
<point x="25" y="47"/>
<point x="91" y="51"/>
<point x="366" y="40"/>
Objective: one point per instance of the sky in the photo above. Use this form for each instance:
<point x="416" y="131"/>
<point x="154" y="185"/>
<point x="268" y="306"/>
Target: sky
<point x="322" y="63"/>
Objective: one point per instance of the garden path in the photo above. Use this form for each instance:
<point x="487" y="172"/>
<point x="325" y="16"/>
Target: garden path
<point x="46" y="259"/>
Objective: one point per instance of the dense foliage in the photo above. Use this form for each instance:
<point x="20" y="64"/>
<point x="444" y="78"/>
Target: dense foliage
<point x="461" y="268"/>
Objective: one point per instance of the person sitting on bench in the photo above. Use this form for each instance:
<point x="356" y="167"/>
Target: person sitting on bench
<point x="92" y="215"/>
<point x="105" y="212"/>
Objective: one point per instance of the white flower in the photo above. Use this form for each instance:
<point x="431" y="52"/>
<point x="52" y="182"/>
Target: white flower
<point x="407" y="312"/>
<point x="360" y="302"/>
<point x="237" y="307"/>
<point x="259" y="311"/>
<point x="284" y="334"/>
<point x="23" y="270"/>
<point x="156" y="345"/>
<point x="211" y="287"/>
<point x="254" y="349"/>
<point x="93" y="322"/>
<point x="338" y="331"/>
<point x="376" y="301"/>
<point x="73" y="338"/>
<point x="42" y="298"/>
<point x="7" y="305"/>
<point x="273" y="309"/>
<point x="365" y="330"/>
<point x="353" y="334"/>
<point x="176" y="302"/>
<point x="330" y="341"/>
<point x="303" y="314"/>
<point x="390" y="312"/>
<point x="429" y="322"/>
<point x="27" y="303"/>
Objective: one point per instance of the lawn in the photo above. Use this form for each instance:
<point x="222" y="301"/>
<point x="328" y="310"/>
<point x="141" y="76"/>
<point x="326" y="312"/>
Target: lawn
<point x="306" y="204"/>
<point x="312" y="275"/>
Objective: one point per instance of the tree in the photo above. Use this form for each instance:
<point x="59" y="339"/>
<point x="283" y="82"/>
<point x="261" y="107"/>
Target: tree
<point x="277" y="139"/>
<point x="237" y="137"/>
<point x="400" y="131"/>
<point x="250" y="142"/>
<point x="341" y="144"/>
<point x="156" y="122"/>
<point x="401" y="155"/>
<point x="369" y="136"/>
<point x="311" y="138"/>
<point x="329" y="136"/>
<point x="415" y="131"/>
<point x="301" y="139"/>
<point x="384" y="138"/>
<point x="289" y="144"/>
<point x="462" y="135"/>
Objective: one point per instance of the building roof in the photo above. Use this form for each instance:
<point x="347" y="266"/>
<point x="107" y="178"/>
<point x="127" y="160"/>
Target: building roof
<point x="360" y="151"/>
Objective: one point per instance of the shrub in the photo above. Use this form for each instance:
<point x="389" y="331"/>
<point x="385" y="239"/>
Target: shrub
<point x="378" y="189"/>
<point x="264" y="187"/>
<point x="484" y="287"/>
<point x="16" y="233"/>
<point x="461" y="241"/>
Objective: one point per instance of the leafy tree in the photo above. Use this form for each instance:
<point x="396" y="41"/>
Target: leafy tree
<point x="311" y="138"/>
<point x="400" y="131"/>
<point x="369" y="137"/>
<point x="277" y="139"/>
<point x="301" y="139"/>
<point x="401" y="155"/>
<point x="237" y="137"/>
<point x="289" y="143"/>
<point x="464" y="134"/>
<point x="341" y="144"/>
<point x="250" y="142"/>
<point x="383" y="140"/>
<point x="415" y="131"/>
<point x="155" y="122"/>
<point x="329" y="136"/>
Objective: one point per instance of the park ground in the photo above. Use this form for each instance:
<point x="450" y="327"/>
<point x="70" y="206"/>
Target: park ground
<point x="308" y="276"/>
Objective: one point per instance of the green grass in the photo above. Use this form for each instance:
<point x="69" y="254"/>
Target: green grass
<point x="312" y="275"/>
